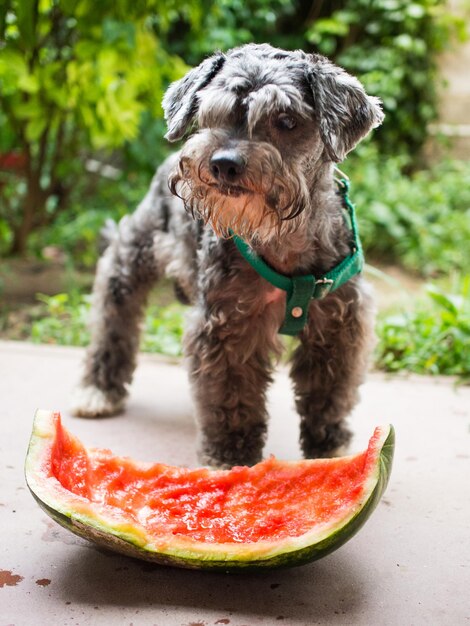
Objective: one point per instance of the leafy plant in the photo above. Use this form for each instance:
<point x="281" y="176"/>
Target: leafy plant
<point x="229" y="23"/>
<point x="432" y="339"/>
<point x="421" y="221"/>
<point x="77" y="231"/>
<point x="163" y="330"/>
<point x="393" y="46"/>
<point x="64" y="321"/>
<point x="65" y="316"/>
<point x="75" y="77"/>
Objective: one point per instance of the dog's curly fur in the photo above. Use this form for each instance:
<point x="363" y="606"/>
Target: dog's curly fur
<point x="277" y="122"/>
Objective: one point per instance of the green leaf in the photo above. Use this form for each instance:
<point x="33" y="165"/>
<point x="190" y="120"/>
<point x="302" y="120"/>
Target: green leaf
<point x="28" y="83"/>
<point x="27" y="13"/>
<point x="443" y="300"/>
<point x="4" y="8"/>
<point x="435" y="339"/>
<point x="35" y="128"/>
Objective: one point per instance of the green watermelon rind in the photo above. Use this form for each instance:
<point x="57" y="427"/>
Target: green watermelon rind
<point x="114" y="536"/>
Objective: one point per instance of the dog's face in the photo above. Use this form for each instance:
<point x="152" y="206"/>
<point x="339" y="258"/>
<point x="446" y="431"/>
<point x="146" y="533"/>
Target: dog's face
<point x="266" y="121"/>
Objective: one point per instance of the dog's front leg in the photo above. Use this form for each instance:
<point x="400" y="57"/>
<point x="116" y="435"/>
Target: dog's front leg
<point x="126" y="272"/>
<point x="230" y="370"/>
<point x="329" y="365"/>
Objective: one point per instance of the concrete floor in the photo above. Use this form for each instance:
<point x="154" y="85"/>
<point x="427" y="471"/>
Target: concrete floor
<point x="409" y="565"/>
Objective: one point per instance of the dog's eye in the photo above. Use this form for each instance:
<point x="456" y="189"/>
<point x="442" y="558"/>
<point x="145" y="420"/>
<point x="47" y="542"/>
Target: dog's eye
<point x="285" y="122"/>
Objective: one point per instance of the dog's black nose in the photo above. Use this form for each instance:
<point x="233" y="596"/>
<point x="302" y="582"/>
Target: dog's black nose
<point x="227" y="166"/>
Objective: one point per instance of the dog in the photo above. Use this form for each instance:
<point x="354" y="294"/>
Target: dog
<point x="265" y="129"/>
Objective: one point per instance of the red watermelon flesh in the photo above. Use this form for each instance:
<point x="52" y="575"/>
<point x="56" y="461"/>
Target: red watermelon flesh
<point x="246" y="515"/>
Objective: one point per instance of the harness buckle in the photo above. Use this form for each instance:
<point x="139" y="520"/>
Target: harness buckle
<point x="324" y="286"/>
<point x="341" y="173"/>
<point x="341" y="179"/>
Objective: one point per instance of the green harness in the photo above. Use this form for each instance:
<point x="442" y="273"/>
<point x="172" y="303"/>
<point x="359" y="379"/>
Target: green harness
<point x="301" y="289"/>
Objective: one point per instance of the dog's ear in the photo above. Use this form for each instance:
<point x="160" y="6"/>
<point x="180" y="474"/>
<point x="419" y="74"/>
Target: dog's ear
<point x="344" y="112"/>
<point x="180" y="100"/>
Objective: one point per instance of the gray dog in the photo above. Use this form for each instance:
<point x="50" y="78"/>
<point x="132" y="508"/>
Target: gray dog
<point x="258" y="172"/>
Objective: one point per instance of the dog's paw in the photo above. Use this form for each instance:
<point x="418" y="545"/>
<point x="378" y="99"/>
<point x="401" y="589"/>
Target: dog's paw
<point x="90" y="401"/>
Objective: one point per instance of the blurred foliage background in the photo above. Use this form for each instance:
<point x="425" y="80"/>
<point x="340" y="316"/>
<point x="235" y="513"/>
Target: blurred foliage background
<point x="81" y="133"/>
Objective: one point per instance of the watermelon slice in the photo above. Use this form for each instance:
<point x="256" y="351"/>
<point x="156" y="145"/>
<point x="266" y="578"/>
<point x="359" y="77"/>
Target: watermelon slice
<point x="277" y="513"/>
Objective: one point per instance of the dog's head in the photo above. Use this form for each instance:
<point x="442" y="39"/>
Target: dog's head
<point x="267" y="120"/>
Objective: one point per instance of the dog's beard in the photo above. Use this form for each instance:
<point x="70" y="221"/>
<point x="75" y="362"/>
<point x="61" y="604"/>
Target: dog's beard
<point x="257" y="210"/>
<point x="243" y="213"/>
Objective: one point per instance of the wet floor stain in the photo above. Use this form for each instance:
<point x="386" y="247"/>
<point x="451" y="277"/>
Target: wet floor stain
<point x="8" y="579"/>
<point x="43" y="582"/>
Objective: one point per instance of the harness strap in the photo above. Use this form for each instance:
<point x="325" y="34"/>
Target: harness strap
<point x="301" y="289"/>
